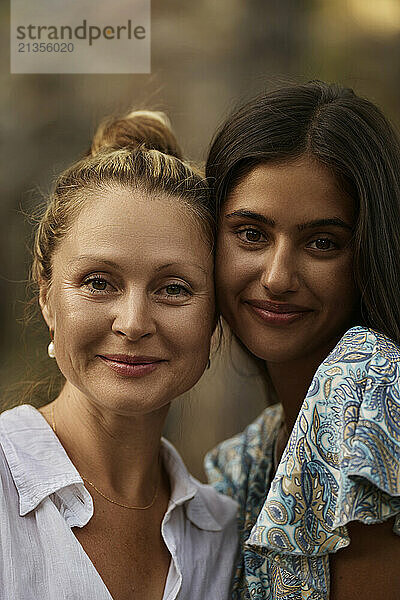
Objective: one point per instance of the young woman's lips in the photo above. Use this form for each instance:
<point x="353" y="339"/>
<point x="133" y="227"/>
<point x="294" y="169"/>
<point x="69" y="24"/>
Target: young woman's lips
<point x="275" y="313"/>
<point x="131" y="366"/>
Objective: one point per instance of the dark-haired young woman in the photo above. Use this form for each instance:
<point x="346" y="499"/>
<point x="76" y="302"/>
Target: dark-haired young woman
<point x="306" y="183"/>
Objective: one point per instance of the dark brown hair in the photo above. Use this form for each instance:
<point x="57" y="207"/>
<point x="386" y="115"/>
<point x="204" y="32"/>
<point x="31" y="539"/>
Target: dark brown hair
<point x="350" y="136"/>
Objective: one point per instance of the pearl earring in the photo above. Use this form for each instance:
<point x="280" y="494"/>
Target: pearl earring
<point x="51" y="350"/>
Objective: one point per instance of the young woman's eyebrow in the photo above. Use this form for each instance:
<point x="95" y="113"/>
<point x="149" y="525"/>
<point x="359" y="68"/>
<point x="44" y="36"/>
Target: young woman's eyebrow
<point x="249" y="214"/>
<point x="335" y="222"/>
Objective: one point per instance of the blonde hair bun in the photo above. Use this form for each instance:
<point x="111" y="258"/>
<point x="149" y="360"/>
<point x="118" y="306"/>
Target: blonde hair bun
<point x="147" y="128"/>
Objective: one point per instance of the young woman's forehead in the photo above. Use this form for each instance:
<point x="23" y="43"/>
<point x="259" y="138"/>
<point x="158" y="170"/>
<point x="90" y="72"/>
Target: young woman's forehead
<point x="299" y="190"/>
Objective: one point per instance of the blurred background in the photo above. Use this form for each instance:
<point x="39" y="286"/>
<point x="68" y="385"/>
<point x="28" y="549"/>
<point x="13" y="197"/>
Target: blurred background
<point x="207" y="57"/>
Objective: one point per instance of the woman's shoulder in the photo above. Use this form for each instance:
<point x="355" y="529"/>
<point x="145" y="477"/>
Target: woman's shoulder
<point x="360" y="344"/>
<point x="9" y="501"/>
<point x="223" y="509"/>
<point x="234" y="461"/>
<point x="346" y="440"/>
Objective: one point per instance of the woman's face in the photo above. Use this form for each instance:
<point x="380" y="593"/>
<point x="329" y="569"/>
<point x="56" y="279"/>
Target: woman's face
<point x="131" y="301"/>
<point x="284" y="261"/>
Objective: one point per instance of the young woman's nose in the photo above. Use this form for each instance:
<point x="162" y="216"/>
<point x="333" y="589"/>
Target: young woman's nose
<point x="133" y="317"/>
<point x="280" y="272"/>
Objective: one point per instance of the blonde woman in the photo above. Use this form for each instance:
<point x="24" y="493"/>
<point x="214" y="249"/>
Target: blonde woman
<point x="94" y="504"/>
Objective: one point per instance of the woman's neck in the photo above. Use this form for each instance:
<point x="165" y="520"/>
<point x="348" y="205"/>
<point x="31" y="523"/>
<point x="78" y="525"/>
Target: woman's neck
<point x="118" y="453"/>
<point x="292" y="379"/>
<point x="291" y="382"/>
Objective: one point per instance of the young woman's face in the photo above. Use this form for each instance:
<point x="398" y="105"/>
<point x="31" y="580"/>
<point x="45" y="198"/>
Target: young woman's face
<point x="131" y="301"/>
<point x="284" y="261"/>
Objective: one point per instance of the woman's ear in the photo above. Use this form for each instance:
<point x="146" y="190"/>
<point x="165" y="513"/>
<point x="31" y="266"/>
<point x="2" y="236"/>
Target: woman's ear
<point x="45" y="305"/>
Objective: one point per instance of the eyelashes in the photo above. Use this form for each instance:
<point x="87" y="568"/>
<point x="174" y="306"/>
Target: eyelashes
<point x="172" y="288"/>
<point x="250" y="235"/>
<point x="253" y="236"/>
<point x="324" y="242"/>
<point x="97" y="285"/>
<point x="92" y="281"/>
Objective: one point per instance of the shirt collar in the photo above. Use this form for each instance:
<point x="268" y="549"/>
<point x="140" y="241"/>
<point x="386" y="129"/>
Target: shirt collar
<point x="40" y="466"/>
<point x="200" y="506"/>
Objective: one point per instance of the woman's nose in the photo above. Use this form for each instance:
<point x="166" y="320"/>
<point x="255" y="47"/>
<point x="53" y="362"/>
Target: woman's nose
<point x="280" y="272"/>
<point x="133" y="318"/>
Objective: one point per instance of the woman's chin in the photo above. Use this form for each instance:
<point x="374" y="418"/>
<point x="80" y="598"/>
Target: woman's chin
<point x="274" y="354"/>
<point x="276" y="349"/>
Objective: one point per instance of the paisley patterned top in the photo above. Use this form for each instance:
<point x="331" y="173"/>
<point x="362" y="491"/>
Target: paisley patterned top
<point x="341" y="464"/>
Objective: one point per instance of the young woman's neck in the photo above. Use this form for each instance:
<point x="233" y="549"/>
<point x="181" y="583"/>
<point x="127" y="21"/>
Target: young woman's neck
<point x="291" y="382"/>
<point x="292" y="379"/>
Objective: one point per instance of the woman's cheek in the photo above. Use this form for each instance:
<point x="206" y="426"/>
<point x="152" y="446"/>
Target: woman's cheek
<point x="226" y="265"/>
<point x="237" y="271"/>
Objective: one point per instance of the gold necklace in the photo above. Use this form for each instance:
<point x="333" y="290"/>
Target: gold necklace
<point x="53" y="426"/>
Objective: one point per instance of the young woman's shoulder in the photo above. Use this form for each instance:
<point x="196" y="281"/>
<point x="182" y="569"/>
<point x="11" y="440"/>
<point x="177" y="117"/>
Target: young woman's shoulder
<point x="340" y="471"/>
<point x="362" y="344"/>
<point x="346" y="440"/>
<point x="363" y="375"/>
<point x="247" y="455"/>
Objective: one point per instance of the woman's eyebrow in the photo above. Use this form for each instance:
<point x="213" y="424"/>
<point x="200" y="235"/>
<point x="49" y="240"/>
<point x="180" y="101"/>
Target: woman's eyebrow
<point x="249" y="214"/>
<point x="335" y="222"/>
<point x="93" y="258"/>
<point x="182" y="264"/>
<point x="117" y="266"/>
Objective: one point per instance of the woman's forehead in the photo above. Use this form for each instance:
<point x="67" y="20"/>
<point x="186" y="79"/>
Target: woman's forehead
<point x="117" y="206"/>
<point x="122" y="226"/>
<point x="301" y="190"/>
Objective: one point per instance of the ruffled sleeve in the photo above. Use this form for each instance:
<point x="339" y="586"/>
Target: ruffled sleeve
<point x="341" y="463"/>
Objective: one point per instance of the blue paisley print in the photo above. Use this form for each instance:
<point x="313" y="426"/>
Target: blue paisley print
<point x="341" y="464"/>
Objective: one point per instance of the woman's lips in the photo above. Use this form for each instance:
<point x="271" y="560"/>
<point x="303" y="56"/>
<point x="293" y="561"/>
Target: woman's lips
<point x="275" y="313"/>
<point x="131" y="366"/>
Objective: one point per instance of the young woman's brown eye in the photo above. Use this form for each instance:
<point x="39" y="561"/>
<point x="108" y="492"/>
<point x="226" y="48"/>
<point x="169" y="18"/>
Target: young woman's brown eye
<point x="250" y="235"/>
<point x="323" y="244"/>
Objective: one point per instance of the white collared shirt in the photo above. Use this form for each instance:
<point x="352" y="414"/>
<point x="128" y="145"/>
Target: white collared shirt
<point x="42" y="496"/>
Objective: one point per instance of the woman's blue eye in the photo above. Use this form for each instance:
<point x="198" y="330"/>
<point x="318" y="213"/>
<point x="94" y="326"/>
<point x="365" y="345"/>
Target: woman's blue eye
<point x="174" y="289"/>
<point x="96" y="284"/>
<point x="250" y="235"/>
<point x="323" y="244"/>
